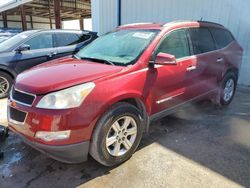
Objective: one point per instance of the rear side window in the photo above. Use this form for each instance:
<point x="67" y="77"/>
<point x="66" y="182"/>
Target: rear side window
<point x="176" y="43"/>
<point x="66" y="39"/>
<point x="222" y="37"/>
<point x="202" y="40"/>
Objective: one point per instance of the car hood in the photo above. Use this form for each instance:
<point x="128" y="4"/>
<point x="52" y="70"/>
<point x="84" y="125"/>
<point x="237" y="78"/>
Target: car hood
<point x="60" y="74"/>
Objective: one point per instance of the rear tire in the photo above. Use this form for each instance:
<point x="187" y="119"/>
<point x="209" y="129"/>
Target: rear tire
<point x="6" y="82"/>
<point x="228" y="88"/>
<point x="117" y="134"/>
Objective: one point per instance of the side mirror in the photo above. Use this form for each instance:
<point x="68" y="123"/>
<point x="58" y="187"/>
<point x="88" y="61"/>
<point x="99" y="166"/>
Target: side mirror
<point x="23" y="47"/>
<point x="165" y="59"/>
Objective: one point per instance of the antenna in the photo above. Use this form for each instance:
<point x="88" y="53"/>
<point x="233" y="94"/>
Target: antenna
<point x="201" y="19"/>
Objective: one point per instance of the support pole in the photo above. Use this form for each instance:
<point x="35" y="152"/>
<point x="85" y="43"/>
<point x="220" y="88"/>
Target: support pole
<point x="50" y="20"/>
<point x="23" y="18"/>
<point x="57" y="10"/>
<point x="81" y="21"/>
<point x="119" y="13"/>
<point x="5" y="22"/>
<point x="31" y="22"/>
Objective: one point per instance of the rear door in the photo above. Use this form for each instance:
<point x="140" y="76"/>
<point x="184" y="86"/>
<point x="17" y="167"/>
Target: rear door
<point x="205" y="60"/>
<point x="223" y="39"/>
<point x="41" y="50"/>
<point x="172" y="83"/>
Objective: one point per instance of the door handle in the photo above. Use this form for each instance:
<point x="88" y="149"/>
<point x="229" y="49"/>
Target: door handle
<point x="191" y="68"/>
<point x="220" y="60"/>
<point x="50" y="55"/>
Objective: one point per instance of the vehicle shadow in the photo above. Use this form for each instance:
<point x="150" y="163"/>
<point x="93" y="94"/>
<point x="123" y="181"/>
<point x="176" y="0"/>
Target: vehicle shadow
<point x="203" y="133"/>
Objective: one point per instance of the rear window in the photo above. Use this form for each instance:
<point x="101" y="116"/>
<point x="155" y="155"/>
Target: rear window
<point x="222" y="37"/>
<point x="202" y="40"/>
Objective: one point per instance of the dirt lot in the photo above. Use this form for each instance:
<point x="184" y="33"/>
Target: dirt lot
<point x="201" y="146"/>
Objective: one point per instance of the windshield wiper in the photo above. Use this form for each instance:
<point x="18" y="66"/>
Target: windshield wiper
<point x="98" y="60"/>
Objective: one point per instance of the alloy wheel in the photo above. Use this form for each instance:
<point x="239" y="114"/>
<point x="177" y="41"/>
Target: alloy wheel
<point x="229" y="90"/>
<point x="4" y="85"/>
<point x="121" y="136"/>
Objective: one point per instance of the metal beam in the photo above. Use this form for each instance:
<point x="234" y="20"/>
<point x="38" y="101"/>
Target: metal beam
<point x="119" y="12"/>
<point x="23" y="18"/>
<point x="17" y="21"/>
<point x="57" y="10"/>
<point x="31" y="22"/>
<point x="50" y="20"/>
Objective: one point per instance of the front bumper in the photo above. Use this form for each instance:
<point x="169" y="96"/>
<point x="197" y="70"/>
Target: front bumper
<point x="73" y="153"/>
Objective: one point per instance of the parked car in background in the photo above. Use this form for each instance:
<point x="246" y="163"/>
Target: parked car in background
<point x="4" y="38"/>
<point x="7" y="33"/>
<point x="34" y="47"/>
<point x="101" y="100"/>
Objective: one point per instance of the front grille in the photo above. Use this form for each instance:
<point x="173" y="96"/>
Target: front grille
<point x="17" y="115"/>
<point x="22" y="97"/>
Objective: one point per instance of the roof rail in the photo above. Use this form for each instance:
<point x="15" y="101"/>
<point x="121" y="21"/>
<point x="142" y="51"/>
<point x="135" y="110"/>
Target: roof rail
<point x="199" y="21"/>
<point x="176" y="21"/>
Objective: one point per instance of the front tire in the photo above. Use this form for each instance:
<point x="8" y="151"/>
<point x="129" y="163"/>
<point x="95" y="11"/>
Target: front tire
<point x="229" y="84"/>
<point x="6" y="82"/>
<point x="117" y="135"/>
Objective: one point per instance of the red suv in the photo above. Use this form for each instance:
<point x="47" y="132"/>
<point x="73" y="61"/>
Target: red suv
<point x="101" y="100"/>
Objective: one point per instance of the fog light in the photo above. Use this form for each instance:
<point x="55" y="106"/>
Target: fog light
<point x="50" y="136"/>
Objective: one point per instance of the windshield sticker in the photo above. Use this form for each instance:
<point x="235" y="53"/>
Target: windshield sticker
<point x="142" y="35"/>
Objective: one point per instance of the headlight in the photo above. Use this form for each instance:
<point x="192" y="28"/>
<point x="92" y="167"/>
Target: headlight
<point x="50" y="136"/>
<point x="67" y="98"/>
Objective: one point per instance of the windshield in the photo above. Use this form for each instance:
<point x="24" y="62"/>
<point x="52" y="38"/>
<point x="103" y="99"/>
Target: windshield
<point x="11" y="42"/>
<point x="121" y="47"/>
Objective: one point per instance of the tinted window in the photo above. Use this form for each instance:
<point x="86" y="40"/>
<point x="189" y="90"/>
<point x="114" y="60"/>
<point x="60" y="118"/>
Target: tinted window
<point x="175" y="43"/>
<point x="222" y="37"/>
<point x="66" y="39"/>
<point x="202" y="40"/>
<point x="84" y="38"/>
<point x="41" y="41"/>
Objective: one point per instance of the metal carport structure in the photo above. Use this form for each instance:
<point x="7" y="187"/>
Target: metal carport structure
<point x="52" y="12"/>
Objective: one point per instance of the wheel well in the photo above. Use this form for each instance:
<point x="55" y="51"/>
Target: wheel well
<point x="141" y="107"/>
<point x="7" y="72"/>
<point x="235" y="71"/>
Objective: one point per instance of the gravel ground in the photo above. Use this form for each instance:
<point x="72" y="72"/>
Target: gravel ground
<point x="200" y="146"/>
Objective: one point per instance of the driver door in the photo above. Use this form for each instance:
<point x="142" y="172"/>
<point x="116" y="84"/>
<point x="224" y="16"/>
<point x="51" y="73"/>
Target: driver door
<point x="41" y="50"/>
<point x="173" y="82"/>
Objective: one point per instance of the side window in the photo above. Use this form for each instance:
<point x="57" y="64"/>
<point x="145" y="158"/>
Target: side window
<point x="66" y="39"/>
<point x="222" y="37"/>
<point x="41" y="41"/>
<point x="202" y="40"/>
<point x="176" y="43"/>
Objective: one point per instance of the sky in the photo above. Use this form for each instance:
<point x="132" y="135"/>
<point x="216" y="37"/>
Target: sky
<point x="74" y="24"/>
